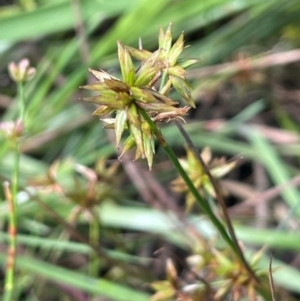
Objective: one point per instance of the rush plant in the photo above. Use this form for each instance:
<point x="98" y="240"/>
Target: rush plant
<point x="140" y="102"/>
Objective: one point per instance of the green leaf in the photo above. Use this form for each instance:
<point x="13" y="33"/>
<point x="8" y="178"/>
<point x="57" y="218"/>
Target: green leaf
<point x="100" y="287"/>
<point x="70" y="246"/>
<point x="276" y="168"/>
<point x="56" y="18"/>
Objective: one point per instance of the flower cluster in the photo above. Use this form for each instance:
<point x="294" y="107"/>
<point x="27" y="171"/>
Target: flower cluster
<point x="143" y="90"/>
<point x="217" y="167"/>
<point x="207" y="265"/>
<point x="82" y="185"/>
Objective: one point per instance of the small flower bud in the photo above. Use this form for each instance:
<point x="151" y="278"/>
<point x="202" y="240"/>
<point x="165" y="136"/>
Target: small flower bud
<point x="12" y="129"/>
<point x="21" y="72"/>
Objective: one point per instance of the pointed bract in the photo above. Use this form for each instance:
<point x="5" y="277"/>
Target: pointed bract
<point x="162" y="98"/>
<point x="166" y="88"/>
<point x="183" y="89"/>
<point x="222" y="170"/>
<point x="109" y="99"/>
<point x="138" y="137"/>
<point x="148" y="150"/>
<point x="148" y="70"/>
<point x="188" y="63"/>
<point x="133" y="115"/>
<point x="127" y="67"/>
<point x="177" y="113"/>
<point x="121" y="118"/>
<point x="98" y="86"/>
<point x="102" y="110"/>
<point x="147" y="130"/>
<point x="161" y="38"/>
<point x="101" y="75"/>
<point x="176" y="50"/>
<point x="128" y="145"/>
<point x="143" y="94"/>
<point x="177" y="71"/>
<point x="167" y="43"/>
<point x="155" y="107"/>
<point x="116" y="86"/>
<point x="139" y="54"/>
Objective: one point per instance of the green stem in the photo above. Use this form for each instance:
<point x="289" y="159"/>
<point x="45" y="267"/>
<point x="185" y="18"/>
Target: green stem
<point x="94" y="240"/>
<point x="202" y="203"/>
<point x="21" y="96"/>
<point x="12" y="200"/>
<point x="11" y="256"/>
<point x="219" y="199"/>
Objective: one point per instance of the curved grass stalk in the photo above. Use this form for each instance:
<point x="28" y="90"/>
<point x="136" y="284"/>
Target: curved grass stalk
<point x="202" y="203"/>
<point x="220" y="200"/>
<point x="204" y="206"/>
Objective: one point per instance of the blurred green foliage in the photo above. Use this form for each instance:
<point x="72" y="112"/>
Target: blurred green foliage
<point x="245" y="111"/>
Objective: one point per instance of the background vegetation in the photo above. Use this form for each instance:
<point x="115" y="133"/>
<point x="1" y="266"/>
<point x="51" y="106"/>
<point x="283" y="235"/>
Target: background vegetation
<point x="91" y="228"/>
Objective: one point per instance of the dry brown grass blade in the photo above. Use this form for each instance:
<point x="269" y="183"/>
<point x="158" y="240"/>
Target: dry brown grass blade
<point x="271" y="279"/>
<point x="265" y="196"/>
<point x="274" y="135"/>
<point x="268" y="60"/>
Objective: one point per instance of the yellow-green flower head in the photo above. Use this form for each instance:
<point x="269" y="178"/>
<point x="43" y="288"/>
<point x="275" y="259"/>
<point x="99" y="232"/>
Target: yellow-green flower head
<point x="126" y="98"/>
<point x="172" y="65"/>
<point x="218" y="168"/>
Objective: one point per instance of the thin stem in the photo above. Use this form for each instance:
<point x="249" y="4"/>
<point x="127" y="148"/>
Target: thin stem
<point x="21" y="96"/>
<point x="271" y="279"/>
<point x="16" y="175"/>
<point x="94" y="240"/>
<point x="81" y="32"/>
<point x="11" y="197"/>
<point x="220" y="200"/>
<point x="202" y="203"/>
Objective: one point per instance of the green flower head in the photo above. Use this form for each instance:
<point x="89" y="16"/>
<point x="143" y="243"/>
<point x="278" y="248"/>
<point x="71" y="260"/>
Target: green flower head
<point x="126" y="99"/>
